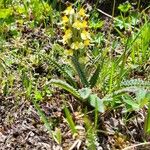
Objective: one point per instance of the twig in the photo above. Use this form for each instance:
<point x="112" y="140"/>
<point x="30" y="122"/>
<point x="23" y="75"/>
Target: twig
<point x="116" y="19"/>
<point x="136" y="145"/>
<point x="105" y="14"/>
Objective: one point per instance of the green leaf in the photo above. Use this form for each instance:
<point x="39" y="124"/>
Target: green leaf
<point x="2" y="68"/>
<point x="4" y="13"/>
<point x="98" y="39"/>
<point x="124" y="7"/>
<point x="57" y="135"/>
<point x="43" y="117"/>
<point x="94" y="78"/>
<point x="136" y="83"/>
<point x="63" y="71"/>
<point x="85" y="92"/>
<point x="38" y="95"/>
<point x="20" y="9"/>
<point x="97" y="24"/>
<point x="147" y="122"/>
<point x="145" y="100"/>
<point x="119" y="22"/>
<point x="70" y="120"/>
<point x="6" y="89"/>
<point x="25" y="79"/>
<point x="80" y="72"/>
<point x="128" y="100"/>
<point x="96" y="102"/>
<point x="65" y="86"/>
<point x="29" y="89"/>
<point x="134" y="18"/>
<point x="141" y="97"/>
<point x="27" y="83"/>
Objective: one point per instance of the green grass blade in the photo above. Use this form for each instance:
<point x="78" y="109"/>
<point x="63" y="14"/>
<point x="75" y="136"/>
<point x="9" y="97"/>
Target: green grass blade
<point x="42" y="116"/>
<point x="70" y="120"/>
<point x="147" y="122"/>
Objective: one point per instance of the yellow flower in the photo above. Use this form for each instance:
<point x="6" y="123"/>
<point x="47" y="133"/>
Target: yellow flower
<point x="65" y="19"/>
<point x="82" y="12"/>
<point x="84" y="24"/>
<point x="85" y="35"/>
<point x="79" y="25"/>
<point x="67" y="36"/>
<point x="77" y="45"/>
<point x="69" y="11"/>
<point x="69" y="52"/>
<point x="87" y="42"/>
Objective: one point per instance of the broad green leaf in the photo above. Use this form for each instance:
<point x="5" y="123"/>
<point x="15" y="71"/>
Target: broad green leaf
<point x="124" y="7"/>
<point x="97" y="24"/>
<point x="65" y="86"/>
<point x="85" y="92"/>
<point x="119" y="22"/>
<point x="96" y="102"/>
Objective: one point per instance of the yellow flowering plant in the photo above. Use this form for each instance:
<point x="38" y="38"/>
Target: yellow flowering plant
<point x="76" y="40"/>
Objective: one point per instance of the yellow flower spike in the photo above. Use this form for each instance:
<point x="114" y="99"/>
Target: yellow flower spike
<point x="65" y="19"/>
<point x="85" y="35"/>
<point x="77" y="45"/>
<point x="69" y="11"/>
<point x="87" y="42"/>
<point x="82" y="12"/>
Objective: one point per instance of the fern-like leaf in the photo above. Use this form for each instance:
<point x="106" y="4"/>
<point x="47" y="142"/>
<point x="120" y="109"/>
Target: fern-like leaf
<point x="80" y="72"/>
<point x="62" y="71"/>
<point x="94" y="77"/>
<point x="65" y="86"/>
<point x="136" y="83"/>
<point x="132" y="85"/>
